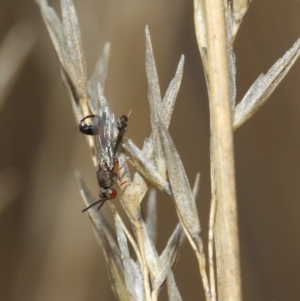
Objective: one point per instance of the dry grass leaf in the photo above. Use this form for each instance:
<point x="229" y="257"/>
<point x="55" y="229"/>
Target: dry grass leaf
<point x="98" y="77"/>
<point x="151" y="216"/>
<point x="132" y="272"/>
<point x="108" y="243"/>
<point x="264" y="86"/>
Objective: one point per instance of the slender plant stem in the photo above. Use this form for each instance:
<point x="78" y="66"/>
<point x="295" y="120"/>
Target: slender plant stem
<point x="222" y="148"/>
<point x="211" y="230"/>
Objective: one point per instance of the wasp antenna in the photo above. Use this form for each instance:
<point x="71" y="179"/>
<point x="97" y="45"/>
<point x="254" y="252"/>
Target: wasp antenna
<point x="101" y="204"/>
<point x="92" y="205"/>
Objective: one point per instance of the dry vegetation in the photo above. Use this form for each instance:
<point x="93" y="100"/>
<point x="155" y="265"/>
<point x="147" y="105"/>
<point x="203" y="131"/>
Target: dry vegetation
<point x="136" y="269"/>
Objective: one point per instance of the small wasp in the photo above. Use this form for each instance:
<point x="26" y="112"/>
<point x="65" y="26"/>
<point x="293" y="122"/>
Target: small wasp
<point x="107" y="146"/>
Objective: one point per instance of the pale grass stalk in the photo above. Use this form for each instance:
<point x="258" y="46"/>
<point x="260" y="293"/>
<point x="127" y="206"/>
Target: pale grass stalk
<point x="214" y="21"/>
<point x="222" y="148"/>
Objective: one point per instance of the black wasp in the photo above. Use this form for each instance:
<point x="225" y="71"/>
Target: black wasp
<point x="107" y="144"/>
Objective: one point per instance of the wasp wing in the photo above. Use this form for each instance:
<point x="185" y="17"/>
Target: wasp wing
<point x="104" y="131"/>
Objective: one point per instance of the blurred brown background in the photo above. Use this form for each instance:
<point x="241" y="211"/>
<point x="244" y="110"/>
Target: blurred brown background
<point x="47" y="248"/>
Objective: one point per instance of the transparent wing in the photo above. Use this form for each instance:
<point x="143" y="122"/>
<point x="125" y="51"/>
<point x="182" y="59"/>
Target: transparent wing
<point x="104" y="131"/>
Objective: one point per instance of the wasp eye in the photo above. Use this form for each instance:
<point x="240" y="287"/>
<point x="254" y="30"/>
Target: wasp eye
<point x="112" y="193"/>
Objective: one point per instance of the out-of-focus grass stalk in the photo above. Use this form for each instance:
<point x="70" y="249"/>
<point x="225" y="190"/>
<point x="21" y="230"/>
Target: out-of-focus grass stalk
<point x="14" y="50"/>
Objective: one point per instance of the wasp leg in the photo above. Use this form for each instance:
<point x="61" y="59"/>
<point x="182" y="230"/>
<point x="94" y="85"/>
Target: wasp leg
<point x="122" y="128"/>
<point x="118" y="168"/>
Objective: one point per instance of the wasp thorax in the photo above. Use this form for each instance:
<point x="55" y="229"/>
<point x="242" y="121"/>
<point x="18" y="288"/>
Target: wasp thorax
<point x="105" y="177"/>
